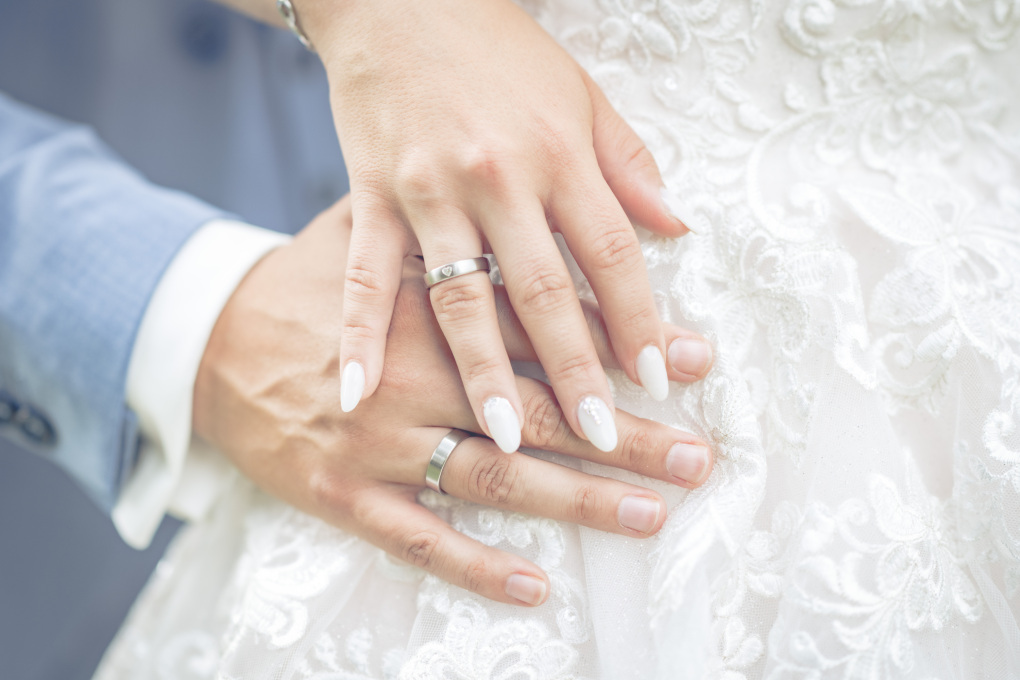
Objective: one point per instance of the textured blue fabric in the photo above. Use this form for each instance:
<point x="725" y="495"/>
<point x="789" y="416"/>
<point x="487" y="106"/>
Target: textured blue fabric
<point x="83" y="242"/>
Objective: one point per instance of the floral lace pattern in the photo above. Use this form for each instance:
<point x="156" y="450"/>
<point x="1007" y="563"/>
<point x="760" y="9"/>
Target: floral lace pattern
<point x="852" y="170"/>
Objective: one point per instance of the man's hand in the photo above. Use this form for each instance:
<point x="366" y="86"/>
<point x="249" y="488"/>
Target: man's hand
<point x="267" y="396"/>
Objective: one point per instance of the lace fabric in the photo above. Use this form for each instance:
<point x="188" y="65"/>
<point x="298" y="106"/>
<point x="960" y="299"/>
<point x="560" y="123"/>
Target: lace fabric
<point x="852" y="170"/>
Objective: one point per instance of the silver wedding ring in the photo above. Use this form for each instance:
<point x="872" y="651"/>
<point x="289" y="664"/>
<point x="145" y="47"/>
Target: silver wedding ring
<point x="434" y="472"/>
<point x="455" y="269"/>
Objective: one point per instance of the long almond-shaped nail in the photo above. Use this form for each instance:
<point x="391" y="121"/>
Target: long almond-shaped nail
<point x="526" y="589"/>
<point x="503" y="423"/>
<point x="688" y="462"/>
<point x="638" y="513"/>
<point x="651" y="370"/>
<point x="690" y="356"/>
<point x="675" y="207"/>
<point x="597" y="423"/>
<point x="352" y="386"/>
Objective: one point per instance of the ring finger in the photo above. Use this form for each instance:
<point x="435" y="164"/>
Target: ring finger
<point x="476" y="471"/>
<point x="465" y="308"/>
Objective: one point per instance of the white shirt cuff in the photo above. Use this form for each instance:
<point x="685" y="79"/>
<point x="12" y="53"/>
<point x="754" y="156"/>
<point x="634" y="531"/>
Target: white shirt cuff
<point x="176" y="473"/>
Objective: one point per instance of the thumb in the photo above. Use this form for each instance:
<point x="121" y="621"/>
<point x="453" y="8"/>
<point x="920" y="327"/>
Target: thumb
<point x="630" y="170"/>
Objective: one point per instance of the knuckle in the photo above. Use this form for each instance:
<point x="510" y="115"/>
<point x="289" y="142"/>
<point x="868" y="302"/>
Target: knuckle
<point x="476" y="574"/>
<point x="614" y="247"/>
<point x="588" y="503"/>
<point x="420" y="549"/>
<point x="489" y="163"/>
<point x="494" y="478"/>
<point x="573" y="368"/>
<point x="638" y="316"/>
<point x="479" y="368"/>
<point x="544" y="424"/>
<point x="417" y="184"/>
<point x="458" y="300"/>
<point x="327" y="490"/>
<point x="357" y="330"/>
<point x="637" y="450"/>
<point x="638" y="157"/>
<point x="363" y="283"/>
<point x="546" y="291"/>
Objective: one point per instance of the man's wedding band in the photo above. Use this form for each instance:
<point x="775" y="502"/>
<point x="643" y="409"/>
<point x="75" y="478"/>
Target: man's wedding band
<point x="455" y="269"/>
<point x="434" y="472"/>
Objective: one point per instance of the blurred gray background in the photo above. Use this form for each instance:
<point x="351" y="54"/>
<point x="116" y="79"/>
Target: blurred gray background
<point x="200" y="99"/>
<point x="66" y="578"/>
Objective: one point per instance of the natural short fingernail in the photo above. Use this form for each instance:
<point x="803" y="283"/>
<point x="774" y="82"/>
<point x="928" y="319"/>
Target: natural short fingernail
<point x="352" y="386"/>
<point x="638" y="513"/>
<point x="675" y="207"/>
<point x="597" y="423"/>
<point x="503" y="424"/>
<point x="527" y="589"/>
<point x="688" y="462"/>
<point x="690" y="356"/>
<point x="651" y="370"/>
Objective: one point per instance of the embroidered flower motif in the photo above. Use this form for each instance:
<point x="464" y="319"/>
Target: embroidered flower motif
<point x="956" y="280"/>
<point x="283" y="571"/>
<point x="474" y="646"/>
<point x="902" y="107"/>
<point x="635" y="28"/>
<point x="897" y="576"/>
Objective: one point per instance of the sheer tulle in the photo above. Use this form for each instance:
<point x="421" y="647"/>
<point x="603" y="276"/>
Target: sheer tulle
<point x="852" y="170"/>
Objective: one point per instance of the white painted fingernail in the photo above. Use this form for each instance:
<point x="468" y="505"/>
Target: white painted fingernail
<point x="597" y="423"/>
<point x="675" y="207"/>
<point x="526" y="589"/>
<point x="352" y="386"/>
<point x="503" y="424"/>
<point x="651" y="370"/>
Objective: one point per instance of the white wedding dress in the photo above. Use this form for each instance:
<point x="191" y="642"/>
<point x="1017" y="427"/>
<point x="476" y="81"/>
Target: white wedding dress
<point x="852" y="170"/>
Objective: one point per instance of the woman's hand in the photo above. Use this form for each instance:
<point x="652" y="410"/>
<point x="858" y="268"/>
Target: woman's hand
<point x="466" y="129"/>
<point x="266" y="396"/>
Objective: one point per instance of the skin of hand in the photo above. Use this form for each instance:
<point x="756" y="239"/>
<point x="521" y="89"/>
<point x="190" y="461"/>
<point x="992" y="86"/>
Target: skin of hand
<point x="467" y="129"/>
<point x="266" y="395"/>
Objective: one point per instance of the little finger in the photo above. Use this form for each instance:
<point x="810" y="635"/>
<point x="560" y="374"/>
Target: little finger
<point x="393" y="521"/>
<point x="603" y="242"/>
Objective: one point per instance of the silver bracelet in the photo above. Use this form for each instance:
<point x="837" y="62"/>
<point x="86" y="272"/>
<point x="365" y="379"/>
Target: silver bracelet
<point x="289" y="14"/>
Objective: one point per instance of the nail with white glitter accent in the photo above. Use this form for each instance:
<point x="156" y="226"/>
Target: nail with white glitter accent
<point x="597" y="423"/>
<point x="503" y="424"/>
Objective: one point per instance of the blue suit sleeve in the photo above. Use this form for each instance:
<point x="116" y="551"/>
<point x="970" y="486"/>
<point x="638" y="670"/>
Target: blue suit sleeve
<point x="83" y="242"/>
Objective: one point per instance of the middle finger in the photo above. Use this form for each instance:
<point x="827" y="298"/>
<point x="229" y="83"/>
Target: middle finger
<point x="544" y="299"/>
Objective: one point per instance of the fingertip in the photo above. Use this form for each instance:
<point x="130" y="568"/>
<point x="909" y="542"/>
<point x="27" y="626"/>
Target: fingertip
<point x="651" y="370"/>
<point x="689" y="463"/>
<point x="679" y="221"/>
<point x="503" y="423"/>
<point x="641" y="514"/>
<point x="597" y="423"/>
<point x="526" y="589"/>
<point x="352" y="386"/>
<point x="690" y="357"/>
